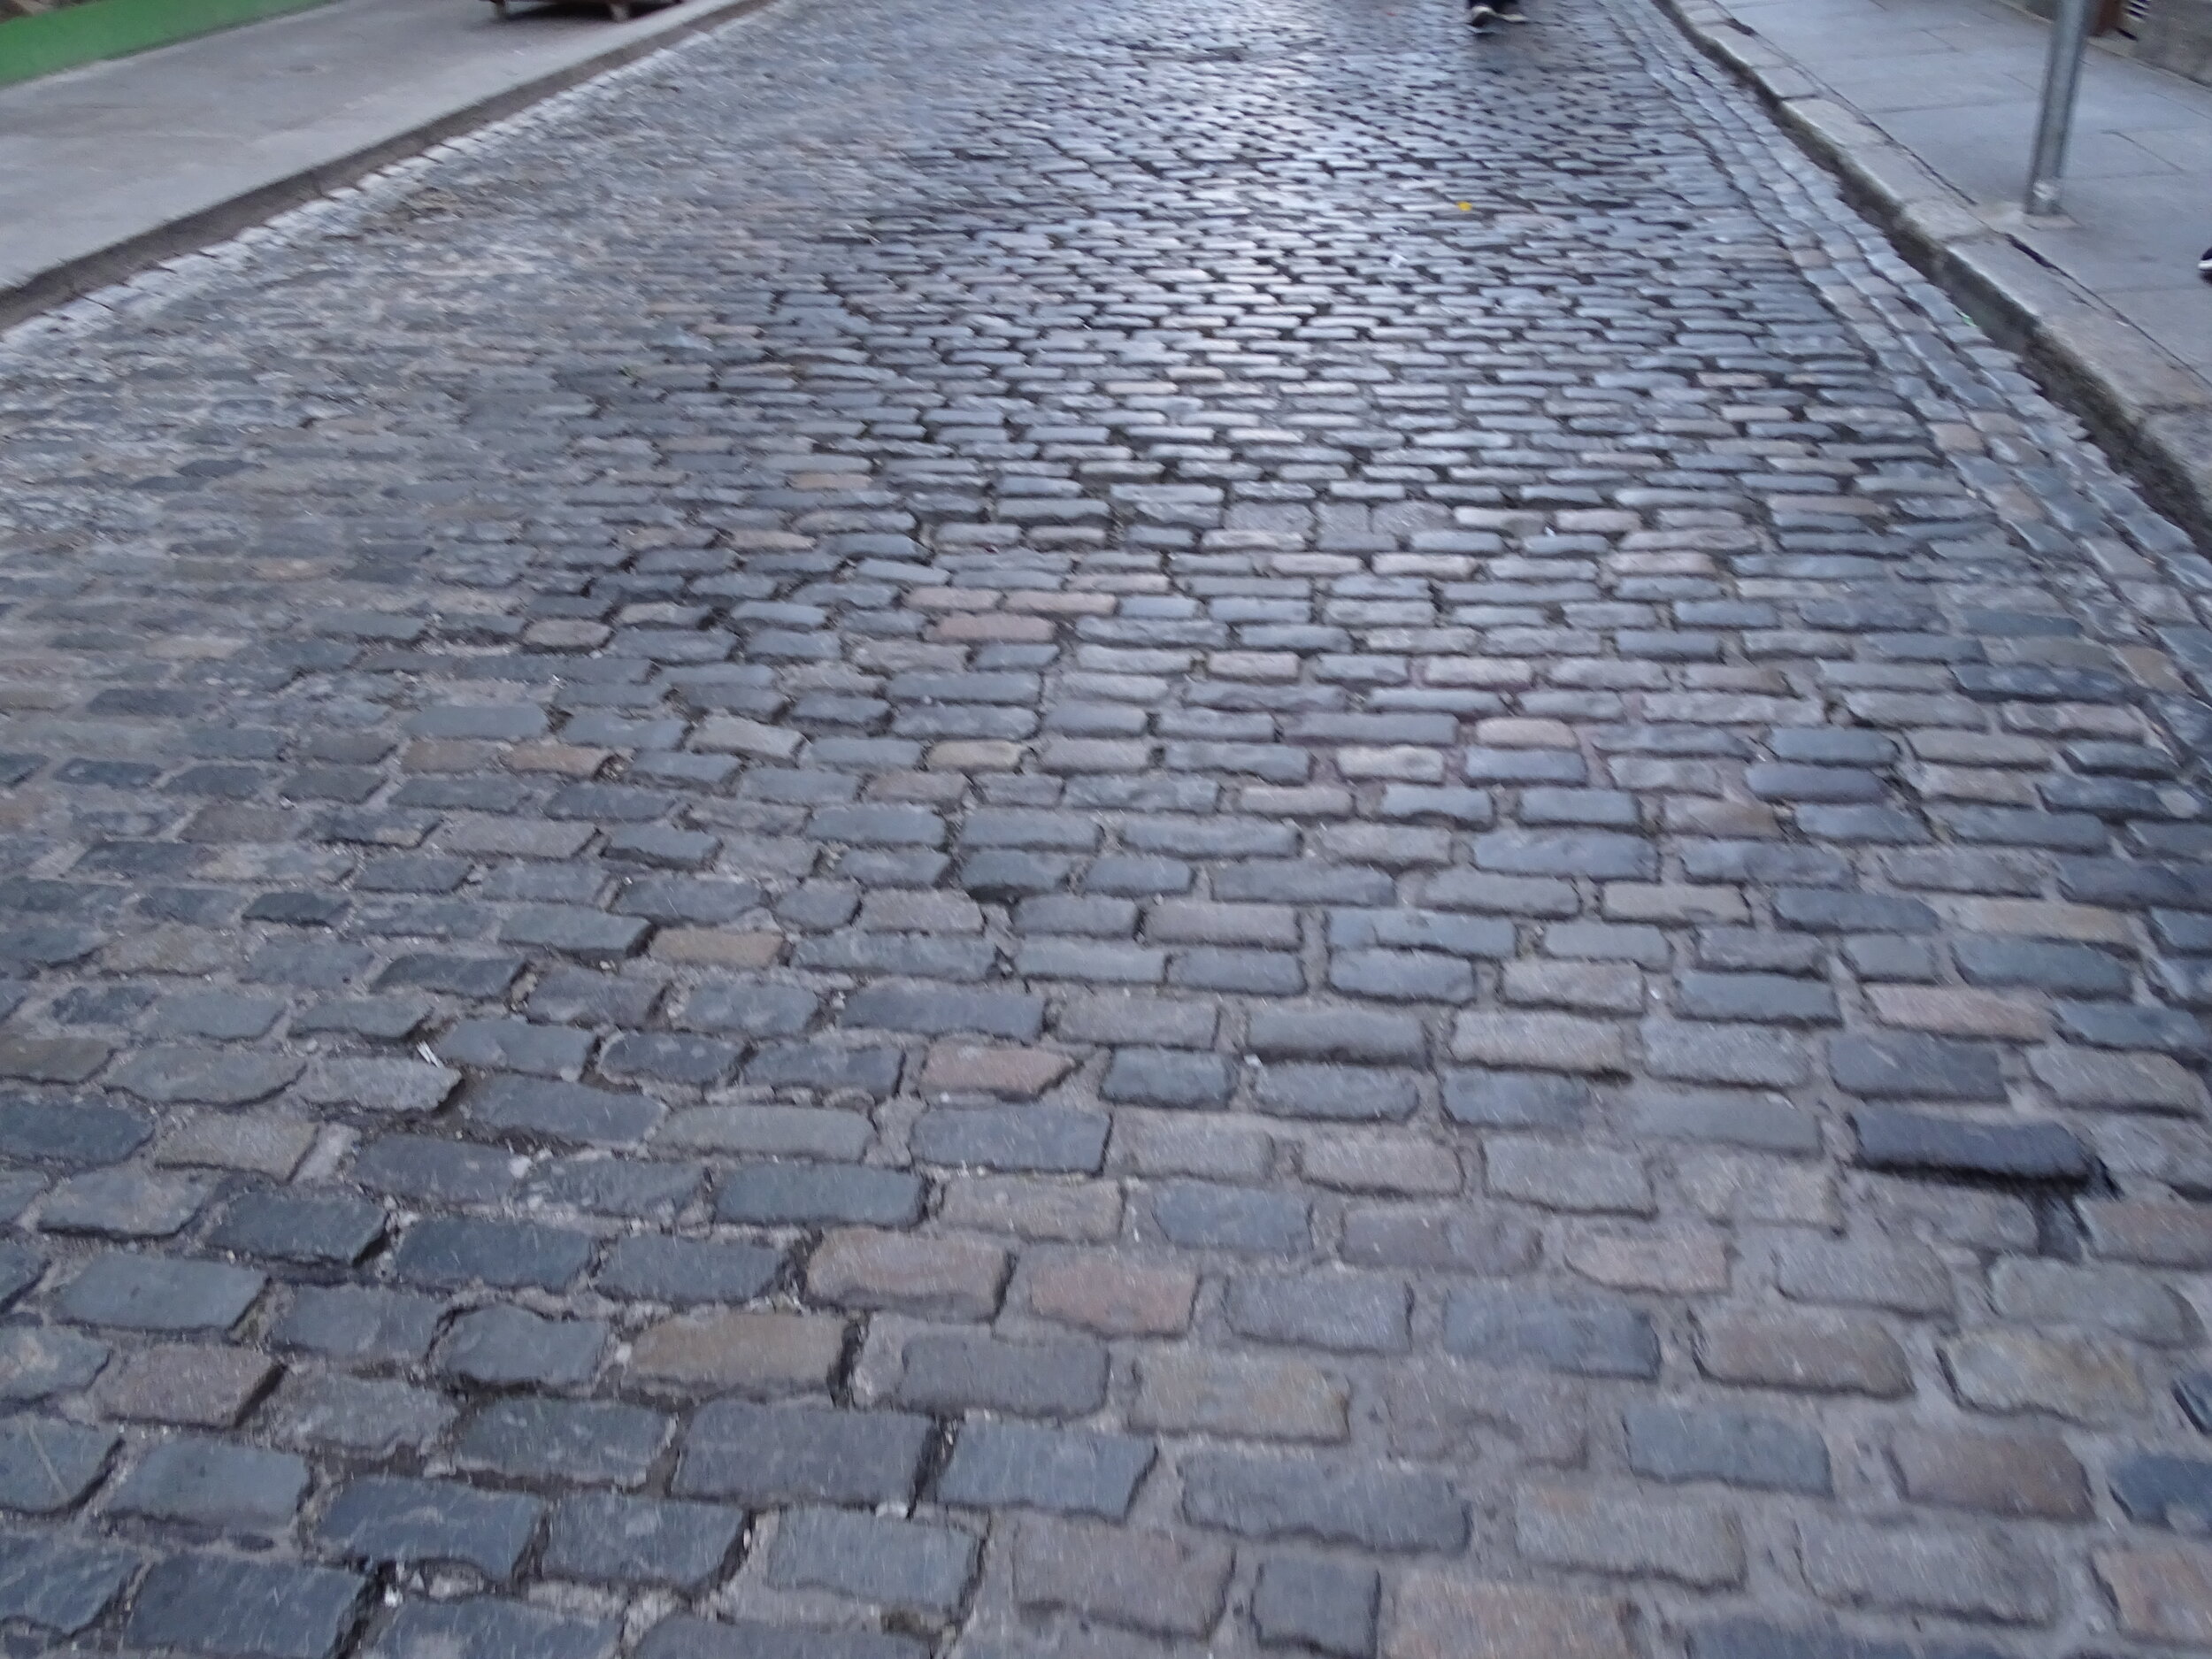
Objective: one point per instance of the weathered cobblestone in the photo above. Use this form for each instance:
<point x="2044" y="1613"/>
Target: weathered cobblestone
<point x="1103" y="830"/>
<point x="57" y="1582"/>
<point x="400" y="1520"/>
<point x="48" y="1464"/>
<point x="1000" y="1464"/>
<point x="630" y="1541"/>
<point x="900" y="1564"/>
<point x="218" y="1604"/>
<point x="1137" y="1580"/>
<point x="588" y="1441"/>
<point x="1305" y="1601"/>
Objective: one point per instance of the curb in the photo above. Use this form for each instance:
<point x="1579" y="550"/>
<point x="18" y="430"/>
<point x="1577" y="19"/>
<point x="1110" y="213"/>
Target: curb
<point x="2150" y="413"/>
<point x="118" y="261"/>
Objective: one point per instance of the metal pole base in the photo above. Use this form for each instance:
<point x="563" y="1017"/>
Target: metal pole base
<point x="2054" y="120"/>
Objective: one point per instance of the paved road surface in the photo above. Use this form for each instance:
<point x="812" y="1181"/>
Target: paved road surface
<point x="1099" y="829"/>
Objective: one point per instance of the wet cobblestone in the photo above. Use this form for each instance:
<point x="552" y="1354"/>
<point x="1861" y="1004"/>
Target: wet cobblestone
<point x="1107" y="830"/>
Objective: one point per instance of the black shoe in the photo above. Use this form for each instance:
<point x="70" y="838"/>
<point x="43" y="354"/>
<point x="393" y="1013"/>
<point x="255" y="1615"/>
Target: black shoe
<point x="2204" y="266"/>
<point x="1480" y="16"/>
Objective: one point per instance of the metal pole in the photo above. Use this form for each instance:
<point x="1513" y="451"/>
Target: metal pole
<point x="2054" y="121"/>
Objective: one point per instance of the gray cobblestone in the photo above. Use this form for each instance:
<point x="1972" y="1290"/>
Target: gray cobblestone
<point x="1336" y="1314"/>
<point x="209" y="1483"/>
<point x="356" y="1322"/>
<point x="1166" y="1077"/>
<point x="590" y="1441"/>
<point x="1919" y="1068"/>
<point x="682" y="1637"/>
<point x="895" y="1563"/>
<point x="385" y="1518"/>
<point x="764" y="1455"/>
<point x="1201" y="1215"/>
<point x="1305" y="1601"/>
<point x="1352" y="1035"/>
<point x="36" y="1363"/>
<point x="147" y="1294"/>
<point x="1615" y="1531"/>
<point x="421" y="1168"/>
<point x="1513" y="1328"/>
<point x="1058" y="1140"/>
<point x="1960" y="1574"/>
<point x="1337" y="1092"/>
<point x="57" y="1582"/>
<point x="1891" y="1139"/>
<point x="263" y="1609"/>
<point x="1056" y="1379"/>
<point x="995" y="1464"/>
<point x="125" y="1204"/>
<point x="1744" y="1450"/>
<point x="48" y="1464"/>
<point x="1065" y="781"/>
<point x="1142" y="1581"/>
<point x="367" y="1415"/>
<point x="1753" y="1640"/>
<point x="504" y="1346"/>
<point x="633" y="1541"/>
<point x="1268" y="1498"/>
<point x="684" y="1270"/>
<point x="498" y="1630"/>
<point x="449" y="1251"/>
<point x="815" y="1194"/>
<point x="70" y="1136"/>
<point x="937" y="1012"/>
<point x="297" y="1226"/>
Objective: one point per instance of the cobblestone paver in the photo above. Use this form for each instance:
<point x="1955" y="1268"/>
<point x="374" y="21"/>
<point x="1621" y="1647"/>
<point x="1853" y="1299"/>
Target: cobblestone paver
<point x="1116" y="829"/>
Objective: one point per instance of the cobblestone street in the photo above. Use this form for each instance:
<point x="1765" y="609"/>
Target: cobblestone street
<point x="1137" y="828"/>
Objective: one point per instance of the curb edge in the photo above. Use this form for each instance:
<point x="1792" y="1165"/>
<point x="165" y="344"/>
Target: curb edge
<point x="2149" y="412"/>
<point x="119" y="261"/>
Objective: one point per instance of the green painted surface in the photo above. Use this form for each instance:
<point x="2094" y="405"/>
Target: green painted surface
<point x="111" y="29"/>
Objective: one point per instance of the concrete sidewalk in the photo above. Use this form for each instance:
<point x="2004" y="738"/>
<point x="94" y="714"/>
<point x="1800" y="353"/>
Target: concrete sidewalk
<point x="1926" y="107"/>
<point x="109" y="168"/>
<point x="1956" y="82"/>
